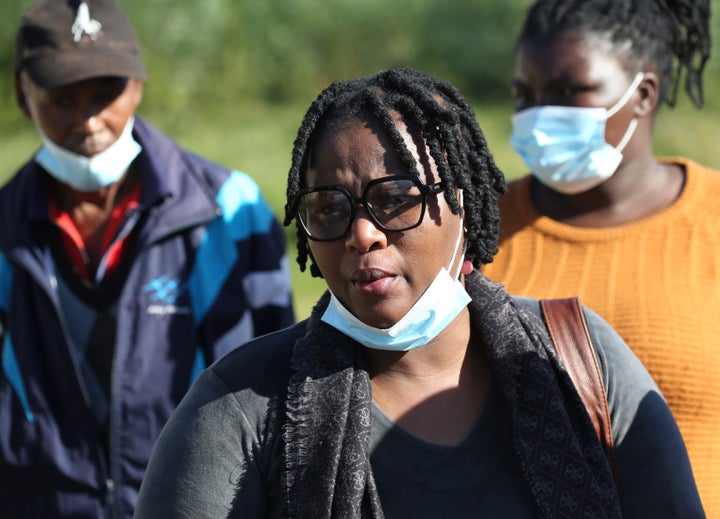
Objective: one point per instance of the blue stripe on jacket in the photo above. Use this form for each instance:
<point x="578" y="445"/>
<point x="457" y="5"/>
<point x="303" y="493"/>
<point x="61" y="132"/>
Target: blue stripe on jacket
<point x="9" y="360"/>
<point x="244" y="213"/>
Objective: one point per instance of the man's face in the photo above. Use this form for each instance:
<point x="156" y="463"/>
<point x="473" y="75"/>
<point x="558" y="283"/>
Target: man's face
<point x="84" y="117"/>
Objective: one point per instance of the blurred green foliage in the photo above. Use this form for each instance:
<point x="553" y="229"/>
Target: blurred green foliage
<point x="279" y="51"/>
<point x="211" y="54"/>
<point x="231" y="79"/>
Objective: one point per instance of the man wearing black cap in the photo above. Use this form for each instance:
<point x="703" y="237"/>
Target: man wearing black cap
<point x="126" y="265"/>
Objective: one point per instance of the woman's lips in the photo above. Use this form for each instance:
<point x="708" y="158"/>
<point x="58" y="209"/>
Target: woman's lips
<point x="372" y="281"/>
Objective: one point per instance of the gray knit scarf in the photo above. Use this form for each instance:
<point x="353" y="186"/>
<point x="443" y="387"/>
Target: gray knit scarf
<point x="327" y="470"/>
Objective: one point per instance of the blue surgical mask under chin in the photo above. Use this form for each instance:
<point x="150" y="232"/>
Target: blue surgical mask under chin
<point x="441" y="302"/>
<point x="89" y="173"/>
<point x="565" y="147"/>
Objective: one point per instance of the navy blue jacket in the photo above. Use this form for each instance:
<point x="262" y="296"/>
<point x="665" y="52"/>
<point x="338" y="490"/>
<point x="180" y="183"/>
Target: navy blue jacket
<point x="209" y="272"/>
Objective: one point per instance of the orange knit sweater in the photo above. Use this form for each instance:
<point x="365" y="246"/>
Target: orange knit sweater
<point x="656" y="281"/>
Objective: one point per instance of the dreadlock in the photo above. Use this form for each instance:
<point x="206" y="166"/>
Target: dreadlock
<point x="436" y="111"/>
<point x="670" y="35"/>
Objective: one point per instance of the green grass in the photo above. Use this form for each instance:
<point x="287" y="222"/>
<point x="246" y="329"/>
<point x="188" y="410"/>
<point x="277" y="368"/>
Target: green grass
<point x="258" y="140"/>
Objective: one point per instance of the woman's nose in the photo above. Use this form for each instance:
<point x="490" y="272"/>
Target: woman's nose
<point x="365" y="235"/>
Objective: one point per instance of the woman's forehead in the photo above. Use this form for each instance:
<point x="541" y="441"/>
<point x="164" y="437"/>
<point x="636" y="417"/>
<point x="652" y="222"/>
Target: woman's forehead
<point x="364" y="147"/>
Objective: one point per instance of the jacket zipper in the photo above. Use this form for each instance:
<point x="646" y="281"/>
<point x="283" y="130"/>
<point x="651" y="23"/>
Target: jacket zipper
<point x="104" y="469"/>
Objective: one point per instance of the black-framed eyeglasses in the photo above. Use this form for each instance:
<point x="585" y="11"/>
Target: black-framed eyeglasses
<point x="395" y="203"/>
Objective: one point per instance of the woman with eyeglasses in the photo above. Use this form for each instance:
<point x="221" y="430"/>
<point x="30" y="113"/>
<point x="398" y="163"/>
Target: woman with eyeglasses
<point x="635" y="236"/>
<point x="417" y="388"/>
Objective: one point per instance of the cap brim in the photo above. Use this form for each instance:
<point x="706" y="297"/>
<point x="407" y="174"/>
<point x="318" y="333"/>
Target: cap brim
<point x="63" y="69"/>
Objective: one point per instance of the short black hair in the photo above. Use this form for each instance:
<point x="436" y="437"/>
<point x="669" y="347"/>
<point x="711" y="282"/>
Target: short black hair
<point x="439" y="113"/>
<point x="670" y="35"/>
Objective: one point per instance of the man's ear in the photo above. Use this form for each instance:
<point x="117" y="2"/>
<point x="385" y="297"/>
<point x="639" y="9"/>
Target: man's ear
<point x="20" y="97"/>
<point x="649" y="90"/>
<point x="137" y="91"/>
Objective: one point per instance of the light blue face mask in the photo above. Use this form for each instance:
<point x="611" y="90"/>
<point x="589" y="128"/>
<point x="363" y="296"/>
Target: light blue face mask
<point x="441" y="302"/>
<point x="89" y="173"/>
<point x="565" y="146"/>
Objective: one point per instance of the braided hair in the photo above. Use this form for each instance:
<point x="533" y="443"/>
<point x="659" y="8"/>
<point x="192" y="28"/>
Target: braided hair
<point x="669" y="35"/>
<point x="430" y="108"/>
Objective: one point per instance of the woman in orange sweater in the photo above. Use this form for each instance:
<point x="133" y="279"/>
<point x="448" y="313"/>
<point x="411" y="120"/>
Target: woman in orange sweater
<point x="637" y="238"/>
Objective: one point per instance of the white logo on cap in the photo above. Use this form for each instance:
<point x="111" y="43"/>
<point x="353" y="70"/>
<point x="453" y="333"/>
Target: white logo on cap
<point x="84" y="24"/>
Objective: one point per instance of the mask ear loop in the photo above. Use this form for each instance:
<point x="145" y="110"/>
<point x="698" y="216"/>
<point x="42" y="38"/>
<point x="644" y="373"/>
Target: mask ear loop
<point x="628" y="135"/>
<point x="459" y="238"/>
<point x="627" y="95"/>
<point x="623" y="100"/>
<point x="28" y="98"/>
<point x="33" y="115"/>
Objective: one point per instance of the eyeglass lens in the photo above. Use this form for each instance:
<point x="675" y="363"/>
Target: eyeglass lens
<point x="394" y="204"/>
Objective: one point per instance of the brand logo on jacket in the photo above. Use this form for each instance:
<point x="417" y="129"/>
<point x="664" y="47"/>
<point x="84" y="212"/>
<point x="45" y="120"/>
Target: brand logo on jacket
<point x="164" y="293"/>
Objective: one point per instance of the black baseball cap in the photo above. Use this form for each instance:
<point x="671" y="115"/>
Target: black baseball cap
<point x="65" y="41"/>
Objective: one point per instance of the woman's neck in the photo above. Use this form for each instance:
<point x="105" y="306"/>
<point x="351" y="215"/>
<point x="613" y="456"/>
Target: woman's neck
<point x="638" y="189"/>
<point x="435" y="392"/>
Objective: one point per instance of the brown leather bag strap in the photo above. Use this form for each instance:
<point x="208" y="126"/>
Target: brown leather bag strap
<point x="569" y="332"/>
